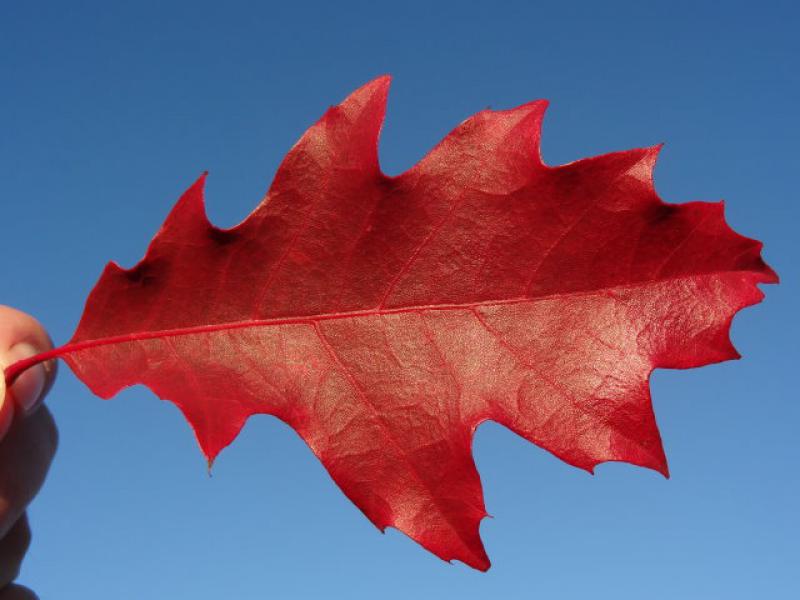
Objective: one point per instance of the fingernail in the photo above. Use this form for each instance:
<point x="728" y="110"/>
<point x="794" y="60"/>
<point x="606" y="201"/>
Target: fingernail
<point x="28" y="387"/>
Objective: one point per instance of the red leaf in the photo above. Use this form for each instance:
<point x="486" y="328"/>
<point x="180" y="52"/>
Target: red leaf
<point x="385" y="318"/>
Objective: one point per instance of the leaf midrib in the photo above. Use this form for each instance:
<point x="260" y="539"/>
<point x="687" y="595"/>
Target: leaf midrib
<point x="373" y="312"/>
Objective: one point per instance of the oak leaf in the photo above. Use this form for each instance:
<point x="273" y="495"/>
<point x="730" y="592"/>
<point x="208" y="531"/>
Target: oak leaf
<point x="384" y="318"/>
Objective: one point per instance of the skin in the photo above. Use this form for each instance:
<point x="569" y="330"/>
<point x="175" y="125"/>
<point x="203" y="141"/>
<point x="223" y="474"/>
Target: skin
<point x="28" y="440"/>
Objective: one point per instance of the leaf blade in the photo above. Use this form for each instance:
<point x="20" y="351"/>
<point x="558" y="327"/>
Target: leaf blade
<point x="385" y="318"/>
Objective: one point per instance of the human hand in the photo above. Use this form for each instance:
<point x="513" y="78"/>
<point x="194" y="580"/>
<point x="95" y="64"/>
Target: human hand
<point x="28" y="440"/>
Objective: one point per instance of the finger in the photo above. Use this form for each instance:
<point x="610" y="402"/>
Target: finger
<point x="12" y="550"/>
<point x="17" y="592"/>
<point x="22" y="336"/>
<point x="25" y="456"/>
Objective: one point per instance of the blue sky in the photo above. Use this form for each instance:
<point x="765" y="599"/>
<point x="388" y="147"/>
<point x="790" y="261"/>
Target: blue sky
<point x="110" y="110"/>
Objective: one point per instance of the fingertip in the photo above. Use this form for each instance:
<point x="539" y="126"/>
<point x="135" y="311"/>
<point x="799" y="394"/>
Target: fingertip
<point x="28" y="388"/>
<point x="22" y="336"/>
<point x="18" y="326"/>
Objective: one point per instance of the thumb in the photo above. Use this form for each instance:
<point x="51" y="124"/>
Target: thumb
<point x="21" y="336"/>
